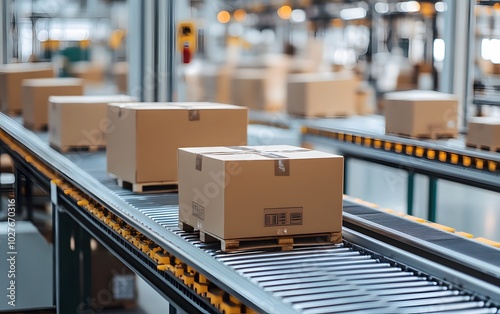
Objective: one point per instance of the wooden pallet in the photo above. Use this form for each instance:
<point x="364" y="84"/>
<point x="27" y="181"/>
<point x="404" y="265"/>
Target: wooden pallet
<point x="483" y="147"/>
<point x="14" y="113"/>
<point x="432" y="136"/>
<point x="68" y="149"/>
<point x="285" y="243"/>
<point x="149" y="187"/>
<point x="33" y="127"/>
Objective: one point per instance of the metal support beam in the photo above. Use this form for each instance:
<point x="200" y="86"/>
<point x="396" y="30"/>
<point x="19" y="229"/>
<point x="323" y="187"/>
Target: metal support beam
<point x="457" y="76"/>
<point x="5" y="48"/>
<point x="151" y="50"/>
<point x="410" y="192"/>
<point x="431" y="215"/>
<point x="66" y="264"/>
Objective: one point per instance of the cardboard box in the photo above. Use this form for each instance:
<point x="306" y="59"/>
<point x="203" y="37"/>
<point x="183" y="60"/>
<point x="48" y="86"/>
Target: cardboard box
<point x="421" y="113"/>
<point x="91" y="72"/>
<point x="321" y="94"/>
<point x="120" y="72"/>
<point x="142" y="148"/>
<point x="260" y="191"/>
<point x="11" y="78"/>
<point x="261" y="89"/>
<point x="36" y="93"/>
<point x="365" y="99"/>
<point x="224" y="86"/>
<point x="80" y="121"/>
<point x="484" y="132"/>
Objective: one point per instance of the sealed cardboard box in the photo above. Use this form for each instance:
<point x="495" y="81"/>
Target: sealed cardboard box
<point x="11" y="78"/>
<point x="90" y="72"/>
<point x="484" y="132"/>
<point x="36" y="93"/>
<point x="421" y="113"/>
<point x="216" y="83"/>
<point x="260" y="191"/>
<point x="142" y="148"/>
<point x="321" y="94"/>
<point x="80" y="121"/>
<point x="261" y="89"/>
<point x="365" y="99"/>
<point x="120" y="72"/>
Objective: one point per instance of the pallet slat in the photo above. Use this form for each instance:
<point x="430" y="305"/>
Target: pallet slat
<point x="149" y="187"/>
<point x="432" y="136"/>
<point x="285" y="243"/>
<point x="67" y="149"/>
<point x="483" y="147"/>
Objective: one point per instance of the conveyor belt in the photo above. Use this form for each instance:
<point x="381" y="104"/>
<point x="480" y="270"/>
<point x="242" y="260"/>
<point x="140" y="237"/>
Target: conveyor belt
<point x="326" y="279"/>
<point x="446" y="159"/>
<point x="349" y="277"/>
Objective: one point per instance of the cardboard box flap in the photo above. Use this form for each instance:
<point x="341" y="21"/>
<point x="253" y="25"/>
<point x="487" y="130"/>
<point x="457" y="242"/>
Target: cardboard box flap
<point x="485" y="120"/>
<point x="91" y="99"/>
<point x="193" y="109"/>
<point x="178" y="106"/>
<point x="420" y="95"/>
<point x="25" y="67"/>
<point x="53" y="82"/>
<point x="319" y="77"/>
<point x="281" y="154"/>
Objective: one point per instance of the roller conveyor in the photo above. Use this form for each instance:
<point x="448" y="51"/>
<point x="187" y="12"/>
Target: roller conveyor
<point x="368" y="132"/>
<point x="363" y="137"/>
<point x="327" y="273"/>
<point x="373" y="271"/>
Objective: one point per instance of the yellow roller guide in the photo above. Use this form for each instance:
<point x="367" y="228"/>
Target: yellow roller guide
<point x="488" y="242"/>
<point x="441" y="227"/>
<point x="464" y="234"/>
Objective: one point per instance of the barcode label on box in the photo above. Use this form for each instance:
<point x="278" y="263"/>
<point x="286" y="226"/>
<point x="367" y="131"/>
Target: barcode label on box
<point x="287" y="216"/>
<point x="198" y="211"/>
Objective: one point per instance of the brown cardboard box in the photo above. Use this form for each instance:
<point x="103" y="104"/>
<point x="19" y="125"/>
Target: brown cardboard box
<point x="365" y="99"/>
<point x="92" y="73"/>
<point x="216" y="83"/>
<point x="421" y="113"/>
<point x="321" y="94"/>
<point x="223" y="88"/>
<point x="11" y="78"/>
<point x="248" y="88"/>
<point x="484" y="132"/>
<point x="80" y="121"/>
<point x="36" y="93"/>
<point x="142" y="147"/>
<point x="120" y="72"/>
<point x="261" y="89"/>
<point x="245" y="192"/>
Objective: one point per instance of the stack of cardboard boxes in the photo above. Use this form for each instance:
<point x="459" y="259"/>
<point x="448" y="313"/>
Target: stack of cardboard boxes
<point x="142" y="146"/>
<point x="11" y="78"/>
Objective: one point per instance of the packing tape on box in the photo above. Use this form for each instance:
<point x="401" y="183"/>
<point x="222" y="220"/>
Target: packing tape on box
<point x="281" y="163"/>
<point x="193" y="114"/>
